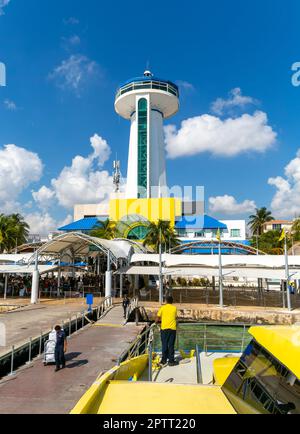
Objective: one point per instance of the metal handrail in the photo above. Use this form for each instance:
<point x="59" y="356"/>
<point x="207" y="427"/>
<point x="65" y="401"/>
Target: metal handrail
<point x="104" y="305"/>
<point x="207" y="343"/>
<point x="134" y="304"/>
<point x="153" y="84"/>
<point x="140" y="345"/>
<point x="199" y="370"/>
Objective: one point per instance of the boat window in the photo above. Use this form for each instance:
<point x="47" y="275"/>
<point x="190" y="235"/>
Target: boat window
<point x="260" y="383"/>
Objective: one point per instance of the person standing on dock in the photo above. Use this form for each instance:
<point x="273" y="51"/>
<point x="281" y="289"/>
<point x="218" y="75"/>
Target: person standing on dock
<point x="167" y="315"/>
<point x="60" y="348"/>
<point x="126" y="303"/>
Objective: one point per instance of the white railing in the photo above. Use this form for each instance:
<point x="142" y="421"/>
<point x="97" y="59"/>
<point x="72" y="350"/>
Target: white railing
<point x="158" y="85"/>
<point x="105" y="305"/>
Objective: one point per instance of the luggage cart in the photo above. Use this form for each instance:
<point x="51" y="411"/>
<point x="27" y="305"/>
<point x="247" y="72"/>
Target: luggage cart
<point x="49" y="349"/>
<point x="49" y="352"/>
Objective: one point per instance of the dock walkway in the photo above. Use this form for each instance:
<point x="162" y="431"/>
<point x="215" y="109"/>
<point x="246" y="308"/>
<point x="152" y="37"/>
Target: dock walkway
<point x="36" y="389"/>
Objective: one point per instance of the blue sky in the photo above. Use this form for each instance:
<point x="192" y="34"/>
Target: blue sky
<point x="65" y="59"/>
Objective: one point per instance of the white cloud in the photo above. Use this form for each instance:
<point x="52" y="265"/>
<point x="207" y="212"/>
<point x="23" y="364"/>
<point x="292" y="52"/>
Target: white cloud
<point x="44" y="197"/>
<point x="43" y="223"/>
<point x="18" y="169"/>
<point x="185" y="85"/>
<point x="235" y="99"/>
<point x="228" y="205"/>
<point x="74" y="73"/>
<point x="71" y="42"/>
<point x="286" y="201"/>
<point x="229" y="137"/>
<point x="3" y="4"/>
<point x="10" y="105"/>
<point x="81" y="182"/>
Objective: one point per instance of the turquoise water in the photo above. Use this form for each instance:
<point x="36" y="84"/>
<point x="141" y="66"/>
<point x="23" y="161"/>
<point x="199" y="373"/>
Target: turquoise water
<point x="211" y="337"/>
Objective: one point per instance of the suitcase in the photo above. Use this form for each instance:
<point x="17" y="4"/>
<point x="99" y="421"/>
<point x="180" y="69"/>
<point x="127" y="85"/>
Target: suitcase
<point x="49" y="352"/>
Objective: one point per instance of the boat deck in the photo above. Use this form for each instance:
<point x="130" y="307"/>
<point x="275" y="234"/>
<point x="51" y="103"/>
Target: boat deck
<point x="123" y="397"/>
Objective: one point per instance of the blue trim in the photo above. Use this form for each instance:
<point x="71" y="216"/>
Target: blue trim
<point x="199" y="222"/>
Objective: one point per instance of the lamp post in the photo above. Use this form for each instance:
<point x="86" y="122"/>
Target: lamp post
<point x="220" y="270"/>
<point x="288" y="294"/>
<point x="161" y="296"/>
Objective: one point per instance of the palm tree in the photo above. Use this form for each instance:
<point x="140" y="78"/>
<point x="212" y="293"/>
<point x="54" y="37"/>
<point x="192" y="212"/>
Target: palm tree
<point x="257" y="221"/>
<point x="161" y="233"/>
<point x="296" y="230"/>
<point x="13" y="231"/>
<point x="20" y="228"/>
<point x="105" y="230"/>
<point x="269" y="243"/>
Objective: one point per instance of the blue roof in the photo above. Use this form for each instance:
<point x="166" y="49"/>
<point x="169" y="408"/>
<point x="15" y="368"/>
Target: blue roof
<point x="86" y="224"/>
<point x="199" y="222"/>
<point x="144" y="78"/>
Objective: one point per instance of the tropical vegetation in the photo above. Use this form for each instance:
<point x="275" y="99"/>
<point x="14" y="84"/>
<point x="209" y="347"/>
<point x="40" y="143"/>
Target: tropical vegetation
<point x="106" y="230"/>
<point x="269" y="243"/>
<point x="257" y="220"/>
<point x="161" y="233"/>
<point x="13" y="231"/>
<point x="295" y="232"/>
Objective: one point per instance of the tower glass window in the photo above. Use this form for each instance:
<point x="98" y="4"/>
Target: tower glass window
<point x="142" y="147"/>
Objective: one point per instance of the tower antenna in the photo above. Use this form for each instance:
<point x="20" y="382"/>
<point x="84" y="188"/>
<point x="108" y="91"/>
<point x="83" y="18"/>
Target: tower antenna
<point x="117" y="175"/>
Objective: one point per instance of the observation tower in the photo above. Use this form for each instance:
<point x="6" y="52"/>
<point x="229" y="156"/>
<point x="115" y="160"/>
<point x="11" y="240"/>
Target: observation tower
<point x="146" y="101"/>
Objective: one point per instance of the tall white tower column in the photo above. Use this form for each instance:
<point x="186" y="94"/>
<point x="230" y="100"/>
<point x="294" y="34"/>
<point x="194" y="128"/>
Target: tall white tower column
<point x="146" y="101"/>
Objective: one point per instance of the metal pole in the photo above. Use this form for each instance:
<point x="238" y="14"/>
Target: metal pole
<point x="121" y="285"/>
<point x="5" y="286"/>
<point x="150" y="363"/>
<point x="288" y="295"/>
<point x="12" y="361"/>
<point x="41" y="340"/>
<point x="30" y="348"/>
<point x="220" y="277"/>
<point x="59" y="277"/>
<point x="35" y="281"/>
<point x="199" y="370"/>
<point x="161" y="296"/>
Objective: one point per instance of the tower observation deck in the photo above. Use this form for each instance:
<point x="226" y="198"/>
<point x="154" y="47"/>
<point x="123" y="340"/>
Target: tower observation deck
<point x="146" y="101"/>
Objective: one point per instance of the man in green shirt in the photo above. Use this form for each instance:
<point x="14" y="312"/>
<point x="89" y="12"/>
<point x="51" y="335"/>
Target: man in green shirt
<point x="167" y="315"/>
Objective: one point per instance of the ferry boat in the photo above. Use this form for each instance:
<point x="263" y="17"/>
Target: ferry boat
<point x="264" y="379"/>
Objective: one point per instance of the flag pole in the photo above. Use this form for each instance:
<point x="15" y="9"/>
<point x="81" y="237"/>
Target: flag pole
<point x="161" y="289"/>
<point x="287" y="274"/>
<point x="220" y="272"/>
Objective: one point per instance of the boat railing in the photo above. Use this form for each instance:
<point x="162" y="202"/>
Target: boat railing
<point x="207" y="341"/>
<point x="148" y="342"/>
<point x="140" y="345"/>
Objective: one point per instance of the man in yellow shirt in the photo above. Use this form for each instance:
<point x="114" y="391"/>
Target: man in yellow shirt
<point x="167" y="315"/>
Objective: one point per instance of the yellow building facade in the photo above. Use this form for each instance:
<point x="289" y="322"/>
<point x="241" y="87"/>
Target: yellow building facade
<point x="167" y="209"/>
